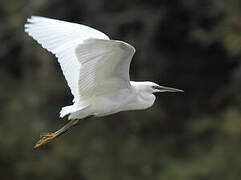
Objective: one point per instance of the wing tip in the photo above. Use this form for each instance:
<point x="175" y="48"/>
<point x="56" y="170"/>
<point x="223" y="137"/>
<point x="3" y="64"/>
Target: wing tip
<point x="125" y="46"/>
<point x="29" y="23"/>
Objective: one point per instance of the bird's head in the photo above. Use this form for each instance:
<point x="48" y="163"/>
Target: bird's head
<point x="152" y="87"/>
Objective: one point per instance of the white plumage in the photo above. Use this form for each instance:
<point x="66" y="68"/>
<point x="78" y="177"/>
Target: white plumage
<point x="62" y="38"/>
<point x="95" y="67"/>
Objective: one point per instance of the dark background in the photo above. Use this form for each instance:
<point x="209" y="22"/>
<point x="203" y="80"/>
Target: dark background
<point x="194" y="45"/>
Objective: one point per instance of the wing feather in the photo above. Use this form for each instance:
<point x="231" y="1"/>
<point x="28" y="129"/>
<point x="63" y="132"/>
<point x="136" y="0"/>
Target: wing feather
<point x="104" y="66"/>
<point x="61" y="38"/>
<point x="91" y="63"/>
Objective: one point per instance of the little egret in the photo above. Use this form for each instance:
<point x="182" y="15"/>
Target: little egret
<point x="96" y="69"/>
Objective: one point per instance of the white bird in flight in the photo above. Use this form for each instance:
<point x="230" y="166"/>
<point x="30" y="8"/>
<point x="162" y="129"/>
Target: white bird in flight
<point x="96" y="69"/>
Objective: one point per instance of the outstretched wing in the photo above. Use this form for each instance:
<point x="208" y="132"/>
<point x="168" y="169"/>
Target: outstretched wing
<point x="62" y="38"/>
<point x="104" y="66"/>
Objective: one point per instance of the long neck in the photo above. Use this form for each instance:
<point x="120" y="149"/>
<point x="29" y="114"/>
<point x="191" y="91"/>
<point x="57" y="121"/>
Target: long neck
<point x="144" y="97"/>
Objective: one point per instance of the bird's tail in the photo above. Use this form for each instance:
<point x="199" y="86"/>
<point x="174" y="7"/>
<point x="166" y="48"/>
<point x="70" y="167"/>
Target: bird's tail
<point x="67" y="110"/>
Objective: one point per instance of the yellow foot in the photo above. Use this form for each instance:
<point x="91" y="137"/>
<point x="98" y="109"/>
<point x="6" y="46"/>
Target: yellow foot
<point x="45" y="138"/>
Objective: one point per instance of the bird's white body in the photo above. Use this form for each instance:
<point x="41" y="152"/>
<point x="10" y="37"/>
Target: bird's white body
<point x="95" y="67"/>
<point x="132" y="98"/>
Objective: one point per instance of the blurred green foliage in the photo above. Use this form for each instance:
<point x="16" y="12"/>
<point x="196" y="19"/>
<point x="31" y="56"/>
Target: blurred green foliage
<point x="193" y="45"/>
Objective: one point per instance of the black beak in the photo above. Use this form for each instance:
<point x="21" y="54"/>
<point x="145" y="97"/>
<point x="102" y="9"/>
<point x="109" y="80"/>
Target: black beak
<point x="167" y="89"/>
